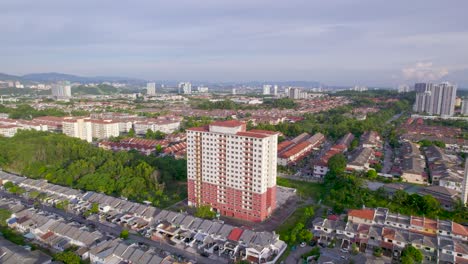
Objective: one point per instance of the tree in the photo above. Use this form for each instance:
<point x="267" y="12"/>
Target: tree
<point x="8" y="185"/>
<point x="353" y="144"/>
<point x="63" y="205"/>
<point x="204" y="211"/>
<point x="430" y="205"/>
<point x="407" y="260"/>
<point x="372" y="174"/>
<point x="305" y="235"/>
<point x="337" y="164"/>
<point x="131" y="132"/>
<point x="412" y="253"/>
<point x="4" y="216"/>
<point x="94" y="208"/>
<point x="309" y="212"/>
<point x="124" y="234"/>
<point x="159" y="148"/>
<point x="67" y="257"/>
<point x="378" y="252"/>
<point x="354" y="249"/>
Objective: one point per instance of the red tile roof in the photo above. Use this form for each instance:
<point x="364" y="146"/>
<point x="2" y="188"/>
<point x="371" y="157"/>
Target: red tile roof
<point x="362" y="213"/>
<point x="459" y="229"/>
<point x="296" y="149"/>
<point x="283" y="145"/>
<point x="235" y="234"/>
<point x="47" y="235"/>
<point x="252" y="134"/>
<point x="268" y="132"/>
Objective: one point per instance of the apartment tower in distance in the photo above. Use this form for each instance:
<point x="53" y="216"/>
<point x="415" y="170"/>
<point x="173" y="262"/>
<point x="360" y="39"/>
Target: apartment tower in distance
<point x="232" y="170"/>
<point x="464" y="107"/>
<point x="464" y="194"/>
<point x="266" y="89"/>
<point x="435" y="99"/>
<point x="61" y="90"/>
<point x="151" y="88"/>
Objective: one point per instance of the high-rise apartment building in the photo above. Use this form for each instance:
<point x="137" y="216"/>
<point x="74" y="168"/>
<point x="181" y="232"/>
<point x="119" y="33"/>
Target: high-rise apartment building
<point x="185" y="87"/>
<point x="464" y="194"/>
<point x="232" y="170"/>
<point x="275" y="90"/>
<point x="62" y="90"/>
<point x="202" y="89"/>
<point x="464" y="106"/>
<point x="151" y="88"/>
<point x="296" y="93"/>
<point x="266" y="89"/>
<point x="435" y="99"/>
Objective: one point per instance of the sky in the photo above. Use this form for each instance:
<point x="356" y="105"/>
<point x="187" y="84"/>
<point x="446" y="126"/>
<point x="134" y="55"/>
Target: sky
<point x="336" y="42"/>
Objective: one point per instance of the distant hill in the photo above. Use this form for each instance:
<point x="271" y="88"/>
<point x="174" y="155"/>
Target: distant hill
<point x="55" y="76"/>
<point x="100" y="89"/>
<point x="5" y="77"/>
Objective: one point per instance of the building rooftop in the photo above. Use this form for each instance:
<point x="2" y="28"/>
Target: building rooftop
<point x="228" y="123"/>
<point x="362" y="213"/>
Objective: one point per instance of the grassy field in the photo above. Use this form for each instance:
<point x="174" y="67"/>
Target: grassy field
<point x="304" y="189"/>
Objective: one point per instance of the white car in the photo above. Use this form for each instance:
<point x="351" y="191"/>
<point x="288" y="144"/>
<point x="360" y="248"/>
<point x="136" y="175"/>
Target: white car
<point x="344" y="250"/>
<point x="303" y="244"/>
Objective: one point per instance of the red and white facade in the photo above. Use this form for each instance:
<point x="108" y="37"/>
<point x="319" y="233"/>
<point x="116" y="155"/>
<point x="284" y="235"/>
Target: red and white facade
<point x="232" y="170"/>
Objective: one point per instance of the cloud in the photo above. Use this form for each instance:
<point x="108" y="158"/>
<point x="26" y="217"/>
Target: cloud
<point x="424" y="71"/>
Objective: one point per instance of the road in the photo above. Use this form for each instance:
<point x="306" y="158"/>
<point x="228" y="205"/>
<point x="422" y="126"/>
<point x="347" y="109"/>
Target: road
<point x="388" y="157"/>
<point x="115" y="231"/>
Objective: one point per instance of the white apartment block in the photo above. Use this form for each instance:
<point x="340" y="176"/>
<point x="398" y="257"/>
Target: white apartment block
<point x="61" y="90"/>
<point x="464" y="189"/>
<point x="165" y="126"/>
<point x="266" y="89"/>
<point x="232" y="170"/>
<point x="87" y="129"/>
<point x="151" y="88"/>
<point x="186" y="87"/>
<point x="435" y="99"/>
<point x="102" y="129"/>
<point x="8" y="130"/>
<point x="78" y="128"/>
<point x="464" y="107"/>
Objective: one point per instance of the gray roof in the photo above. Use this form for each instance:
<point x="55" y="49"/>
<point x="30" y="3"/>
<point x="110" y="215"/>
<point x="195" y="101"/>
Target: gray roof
<point x="205" y="226"/>
<point x="225" y="231"/>
<point x="12" y="254"/>
<point x="247" y="236"/>
<point x="215" y="227"/>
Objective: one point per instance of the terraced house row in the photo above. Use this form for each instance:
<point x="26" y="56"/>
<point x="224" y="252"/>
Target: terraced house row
<point x="179" y="229"/>
<point x="439" y="240"/>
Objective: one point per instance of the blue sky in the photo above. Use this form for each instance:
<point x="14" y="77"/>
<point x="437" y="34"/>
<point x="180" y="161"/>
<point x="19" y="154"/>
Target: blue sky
<point x="338" y="42"/>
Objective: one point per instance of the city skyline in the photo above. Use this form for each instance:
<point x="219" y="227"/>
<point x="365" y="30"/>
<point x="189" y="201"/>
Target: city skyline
<point x="372" y="43"/>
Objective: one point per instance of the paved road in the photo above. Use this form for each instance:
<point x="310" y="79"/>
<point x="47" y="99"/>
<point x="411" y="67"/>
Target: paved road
<point x="295" y="256"/>
<point x="387" y="164"/>
<point x="115" y="231"/>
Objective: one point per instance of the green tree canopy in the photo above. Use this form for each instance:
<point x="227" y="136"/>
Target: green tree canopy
<point x="412" y="253"/>
<point x="67" y="257"/>
<point x="337" y="164"/>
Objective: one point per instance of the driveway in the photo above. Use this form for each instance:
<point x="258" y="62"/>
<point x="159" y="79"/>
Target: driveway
<point x="295" y="256"/>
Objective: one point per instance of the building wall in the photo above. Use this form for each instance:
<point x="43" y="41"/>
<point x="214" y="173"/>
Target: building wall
<point x="235" y="175"/>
